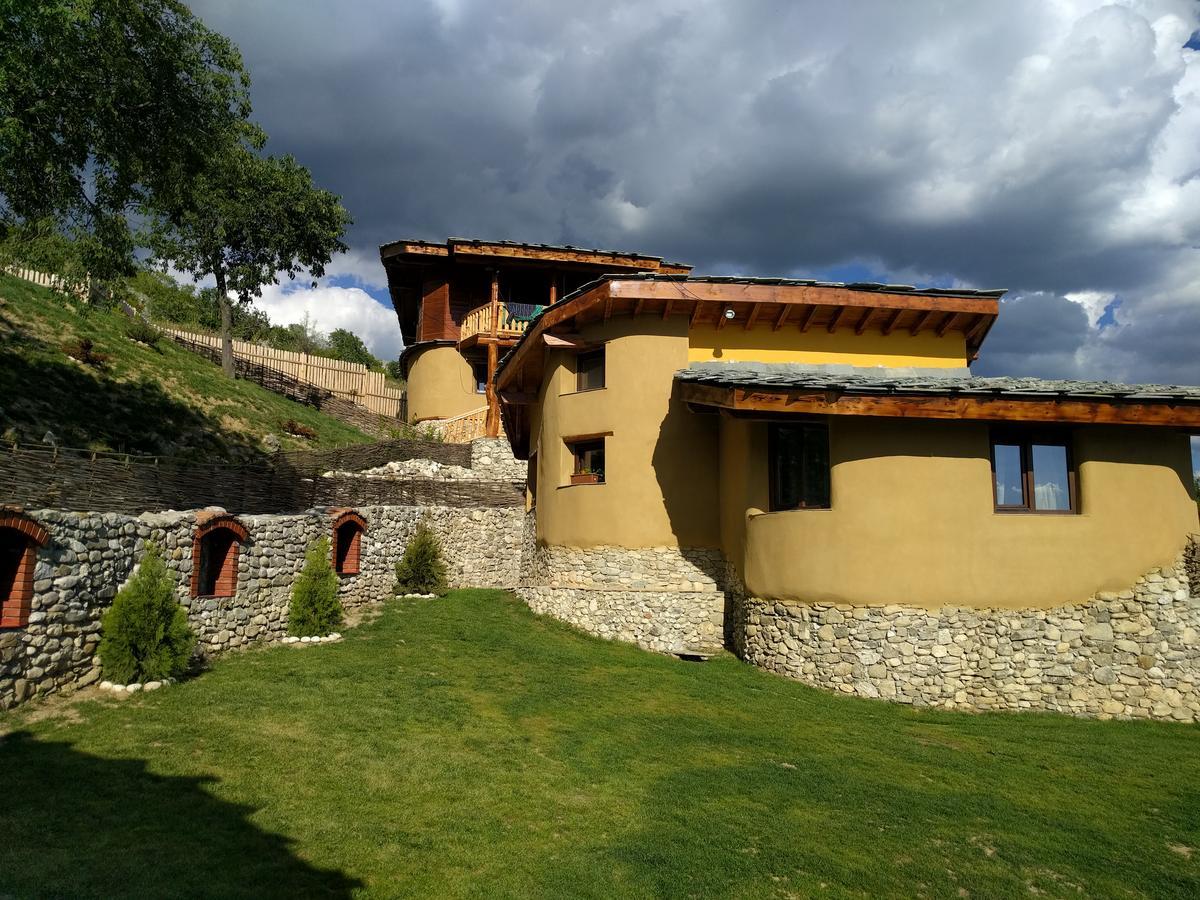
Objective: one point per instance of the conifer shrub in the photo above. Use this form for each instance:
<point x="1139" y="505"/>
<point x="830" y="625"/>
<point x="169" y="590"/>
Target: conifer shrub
<point x="315" y="609"/>
<point x="145" y="635"/>
<point x="421" y="570"/>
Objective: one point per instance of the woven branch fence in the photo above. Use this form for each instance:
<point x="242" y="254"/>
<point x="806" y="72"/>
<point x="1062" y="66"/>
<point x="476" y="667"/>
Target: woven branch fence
<point x="280" y="382"/>
<point x="45" y="477"/>
<point x="352" y="382"/>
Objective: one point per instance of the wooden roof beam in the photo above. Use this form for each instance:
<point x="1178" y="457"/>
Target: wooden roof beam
<point x="836" y="320"/>
<point x="864" y="321"/>
<point x="782" y="317"/>
<point x="753" y="317"/>
<point x="695" y="314"/>
<point x="892" y="320"/>
<point x="996" y="408"/>
<point x="667" y="307"/>
<point x="921" y="322"/>
<point x="946" y="324"/>
<point x="809" y="315"/>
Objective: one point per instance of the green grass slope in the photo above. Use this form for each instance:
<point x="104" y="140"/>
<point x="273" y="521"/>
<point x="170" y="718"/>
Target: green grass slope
<point x="161" y="400"/>
<point x="466" y="748"/>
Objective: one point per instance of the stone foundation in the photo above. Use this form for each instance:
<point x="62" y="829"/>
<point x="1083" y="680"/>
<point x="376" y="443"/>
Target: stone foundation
<point x="91" y="555"/>
<point x="1130" y="654"/>
<point x="666" y="599"/>
<point x="493" y="458"/>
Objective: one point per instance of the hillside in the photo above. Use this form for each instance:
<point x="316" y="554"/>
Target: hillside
<point x="159" y="400"/>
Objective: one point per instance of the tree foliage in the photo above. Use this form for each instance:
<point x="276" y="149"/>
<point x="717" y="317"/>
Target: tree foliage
<point x="247" y="218"/>
<point x="421" y="569"/>
<point x="349" y="347"/>
<point x="315" y="608"/>
<point x="145" y="634"/>
<point x="107" y="106"/>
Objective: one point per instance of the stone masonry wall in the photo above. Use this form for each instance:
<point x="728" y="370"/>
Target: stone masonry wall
<point x="1135" y="653"/>
<point x="493" y="457"/>
<point x="665" y="599"/>
<point x="91" y="555"/>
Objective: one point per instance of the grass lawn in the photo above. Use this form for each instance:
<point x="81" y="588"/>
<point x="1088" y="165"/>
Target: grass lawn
<point x="464" y="747"/>
<point x="164" y="401"/>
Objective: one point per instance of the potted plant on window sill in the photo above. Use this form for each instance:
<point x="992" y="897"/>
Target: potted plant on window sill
<point x="587" y="476"/>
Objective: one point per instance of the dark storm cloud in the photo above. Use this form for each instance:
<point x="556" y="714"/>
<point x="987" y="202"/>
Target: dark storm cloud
<point x="1048" y="148"/>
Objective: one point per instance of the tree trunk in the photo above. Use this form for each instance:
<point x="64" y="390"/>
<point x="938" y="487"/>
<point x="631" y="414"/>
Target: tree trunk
<point x="226" y="322"/>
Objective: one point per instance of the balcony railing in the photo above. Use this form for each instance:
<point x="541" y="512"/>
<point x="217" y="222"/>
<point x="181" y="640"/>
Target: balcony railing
<point x="508" y="325"/>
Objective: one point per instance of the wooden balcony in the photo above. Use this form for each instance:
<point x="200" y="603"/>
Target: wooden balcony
<point x="477" y="326"/>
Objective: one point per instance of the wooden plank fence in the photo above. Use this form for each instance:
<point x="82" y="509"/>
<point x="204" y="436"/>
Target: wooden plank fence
<point x="349" y="381"/>
<point x="45" y="279"/>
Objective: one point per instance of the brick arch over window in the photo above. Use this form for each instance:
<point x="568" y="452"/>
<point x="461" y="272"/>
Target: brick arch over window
<point x="215" y="549"/>
<point x="20" y="538"/>
<point x="348" y="531"/>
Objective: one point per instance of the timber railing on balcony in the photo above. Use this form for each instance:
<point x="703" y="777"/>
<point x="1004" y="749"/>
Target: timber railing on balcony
<point x="512" y="320"/>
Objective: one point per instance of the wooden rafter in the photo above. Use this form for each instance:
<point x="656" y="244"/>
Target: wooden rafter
<point x="608" y="305"/>
<point x="695" y="314"/>
<point x="637" y="307"/>
<point x="945" y="324"/>
<point x="864" y="322"/>
<point x="836" y="320"/>
<point x="809" y="315"/>
<point x="753" y="317"/>
<point x="667" y="307"/>
<point x="892" y="320"/>
<point x="922" y="319"/>
<point x="781" y="318"/>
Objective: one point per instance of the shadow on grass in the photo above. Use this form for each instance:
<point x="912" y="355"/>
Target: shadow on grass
<point x="76" y="825"/>
<point x="40" y="384"/>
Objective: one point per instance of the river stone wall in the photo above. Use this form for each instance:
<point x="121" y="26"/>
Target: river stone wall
<point x="1132" y="654"/>
<point x="493" y="458"/>
<point x="665" y="599"/>
<point x="91" y="555"/>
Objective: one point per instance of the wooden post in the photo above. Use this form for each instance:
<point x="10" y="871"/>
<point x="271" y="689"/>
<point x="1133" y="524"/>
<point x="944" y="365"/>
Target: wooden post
<point x="495" y="308"/>
<point x="492" y="424"/>
<point x="553" y="290"/>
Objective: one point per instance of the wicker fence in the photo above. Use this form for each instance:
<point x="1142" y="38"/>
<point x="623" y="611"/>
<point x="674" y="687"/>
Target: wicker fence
<point x="45" y="477"/>
<point x="349" y="381"/>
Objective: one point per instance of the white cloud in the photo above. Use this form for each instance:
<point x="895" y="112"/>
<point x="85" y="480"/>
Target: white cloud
<point x="331" y="307"/>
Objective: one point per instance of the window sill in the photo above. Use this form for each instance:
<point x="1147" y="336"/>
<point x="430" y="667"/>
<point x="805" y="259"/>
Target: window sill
<point x="584" y="484"/>
<point x="1036" y="512"/>
<point x="584" y="391"/>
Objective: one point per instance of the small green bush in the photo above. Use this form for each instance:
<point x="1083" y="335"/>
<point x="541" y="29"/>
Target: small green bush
<point x="145" y="634"/>
<point x="138" y="329"/>
<point x="316" y="610"/>
<point x="421" y="570"/>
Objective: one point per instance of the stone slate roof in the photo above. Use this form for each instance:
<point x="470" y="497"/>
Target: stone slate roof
<point x="868" y="286"/>
<point x="883" y="381"/>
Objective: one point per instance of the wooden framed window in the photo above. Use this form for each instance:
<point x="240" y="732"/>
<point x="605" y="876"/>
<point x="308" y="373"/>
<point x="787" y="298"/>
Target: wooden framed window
<point x="798" y="465"/>
<point x="589" y="370"/>
<point x="588" y="456"/>
<point x="1033" y="472"/>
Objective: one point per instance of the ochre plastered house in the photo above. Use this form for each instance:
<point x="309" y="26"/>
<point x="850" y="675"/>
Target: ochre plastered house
<point x="463" y="303"/>
<point x="809" y="472"/>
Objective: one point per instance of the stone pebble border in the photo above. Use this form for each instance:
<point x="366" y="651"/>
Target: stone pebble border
<point x="155" y="685"/>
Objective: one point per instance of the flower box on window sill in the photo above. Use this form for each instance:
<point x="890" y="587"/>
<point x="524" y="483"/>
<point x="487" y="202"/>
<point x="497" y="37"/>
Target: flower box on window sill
<point x="586" y="478"/>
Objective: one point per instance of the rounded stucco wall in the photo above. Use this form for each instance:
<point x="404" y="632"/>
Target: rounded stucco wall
<point x="660" y="485"/>
<point x="440" y="384"/>
<point x="912" y="519"/>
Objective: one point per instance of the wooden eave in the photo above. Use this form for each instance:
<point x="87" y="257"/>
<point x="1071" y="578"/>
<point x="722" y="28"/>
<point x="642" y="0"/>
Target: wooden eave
<point x="556" y="255"/>
<point x="990" y="408"/>
<point x="765" y="306"/>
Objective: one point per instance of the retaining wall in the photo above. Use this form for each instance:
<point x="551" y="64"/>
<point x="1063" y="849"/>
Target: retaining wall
<point x="1133" y="653"/>
<point x="91" y="555"/>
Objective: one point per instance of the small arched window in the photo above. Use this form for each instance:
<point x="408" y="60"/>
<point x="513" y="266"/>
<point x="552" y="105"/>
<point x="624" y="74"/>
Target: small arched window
<point x="20" y="538"/>
<point x="215" y="551"/>
<point x="348" y="530"/>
